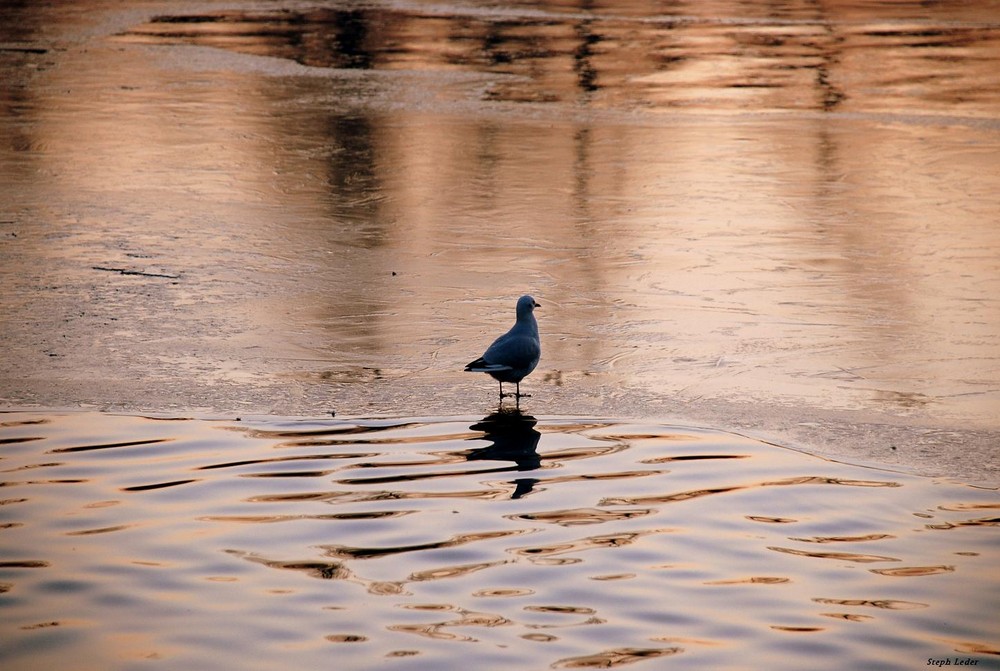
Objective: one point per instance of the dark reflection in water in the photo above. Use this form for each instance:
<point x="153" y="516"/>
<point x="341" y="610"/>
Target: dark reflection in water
<point x="512" y="437"/>
<point x="355" y="183"/>
<point x="429" y="560"/>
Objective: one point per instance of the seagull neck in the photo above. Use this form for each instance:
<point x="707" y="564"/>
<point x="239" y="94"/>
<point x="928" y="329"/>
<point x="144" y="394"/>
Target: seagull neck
<point x="527" y="321"/>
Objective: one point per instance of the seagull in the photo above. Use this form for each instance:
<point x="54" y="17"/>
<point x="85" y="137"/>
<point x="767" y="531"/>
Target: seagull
<point x="515" y="354"/>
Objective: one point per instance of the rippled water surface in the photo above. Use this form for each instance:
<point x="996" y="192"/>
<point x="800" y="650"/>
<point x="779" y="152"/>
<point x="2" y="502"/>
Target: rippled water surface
<point x="139" y="542"/>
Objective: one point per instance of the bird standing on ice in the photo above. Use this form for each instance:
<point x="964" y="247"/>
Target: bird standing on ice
<point x="515" y="354"/>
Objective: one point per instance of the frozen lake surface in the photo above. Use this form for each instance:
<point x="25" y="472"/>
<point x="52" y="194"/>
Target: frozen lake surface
<point x="727" y="214"/>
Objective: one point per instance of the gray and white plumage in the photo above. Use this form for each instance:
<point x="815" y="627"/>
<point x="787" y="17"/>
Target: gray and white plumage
<point x="515" y="354"/>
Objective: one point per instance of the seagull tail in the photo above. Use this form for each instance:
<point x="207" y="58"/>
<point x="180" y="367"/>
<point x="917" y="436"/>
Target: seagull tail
<point x="481" y="366"/>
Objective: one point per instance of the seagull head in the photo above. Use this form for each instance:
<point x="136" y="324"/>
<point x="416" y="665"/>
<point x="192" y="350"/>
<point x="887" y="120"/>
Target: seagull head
<point x="526" y="305"/>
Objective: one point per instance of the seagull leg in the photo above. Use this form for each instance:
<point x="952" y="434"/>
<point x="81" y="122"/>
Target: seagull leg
<point x="507" y="395"/>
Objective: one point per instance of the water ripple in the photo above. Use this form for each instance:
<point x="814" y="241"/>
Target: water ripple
<point x="535" y="542"/>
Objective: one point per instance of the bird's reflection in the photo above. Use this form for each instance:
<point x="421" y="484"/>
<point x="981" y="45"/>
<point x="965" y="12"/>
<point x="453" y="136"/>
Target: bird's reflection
<point x="513" y="437"/>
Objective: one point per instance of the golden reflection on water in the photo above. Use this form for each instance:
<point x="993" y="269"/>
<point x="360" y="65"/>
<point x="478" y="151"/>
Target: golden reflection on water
<point x="706" y="55"/>
<point x="97" y="572"/>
